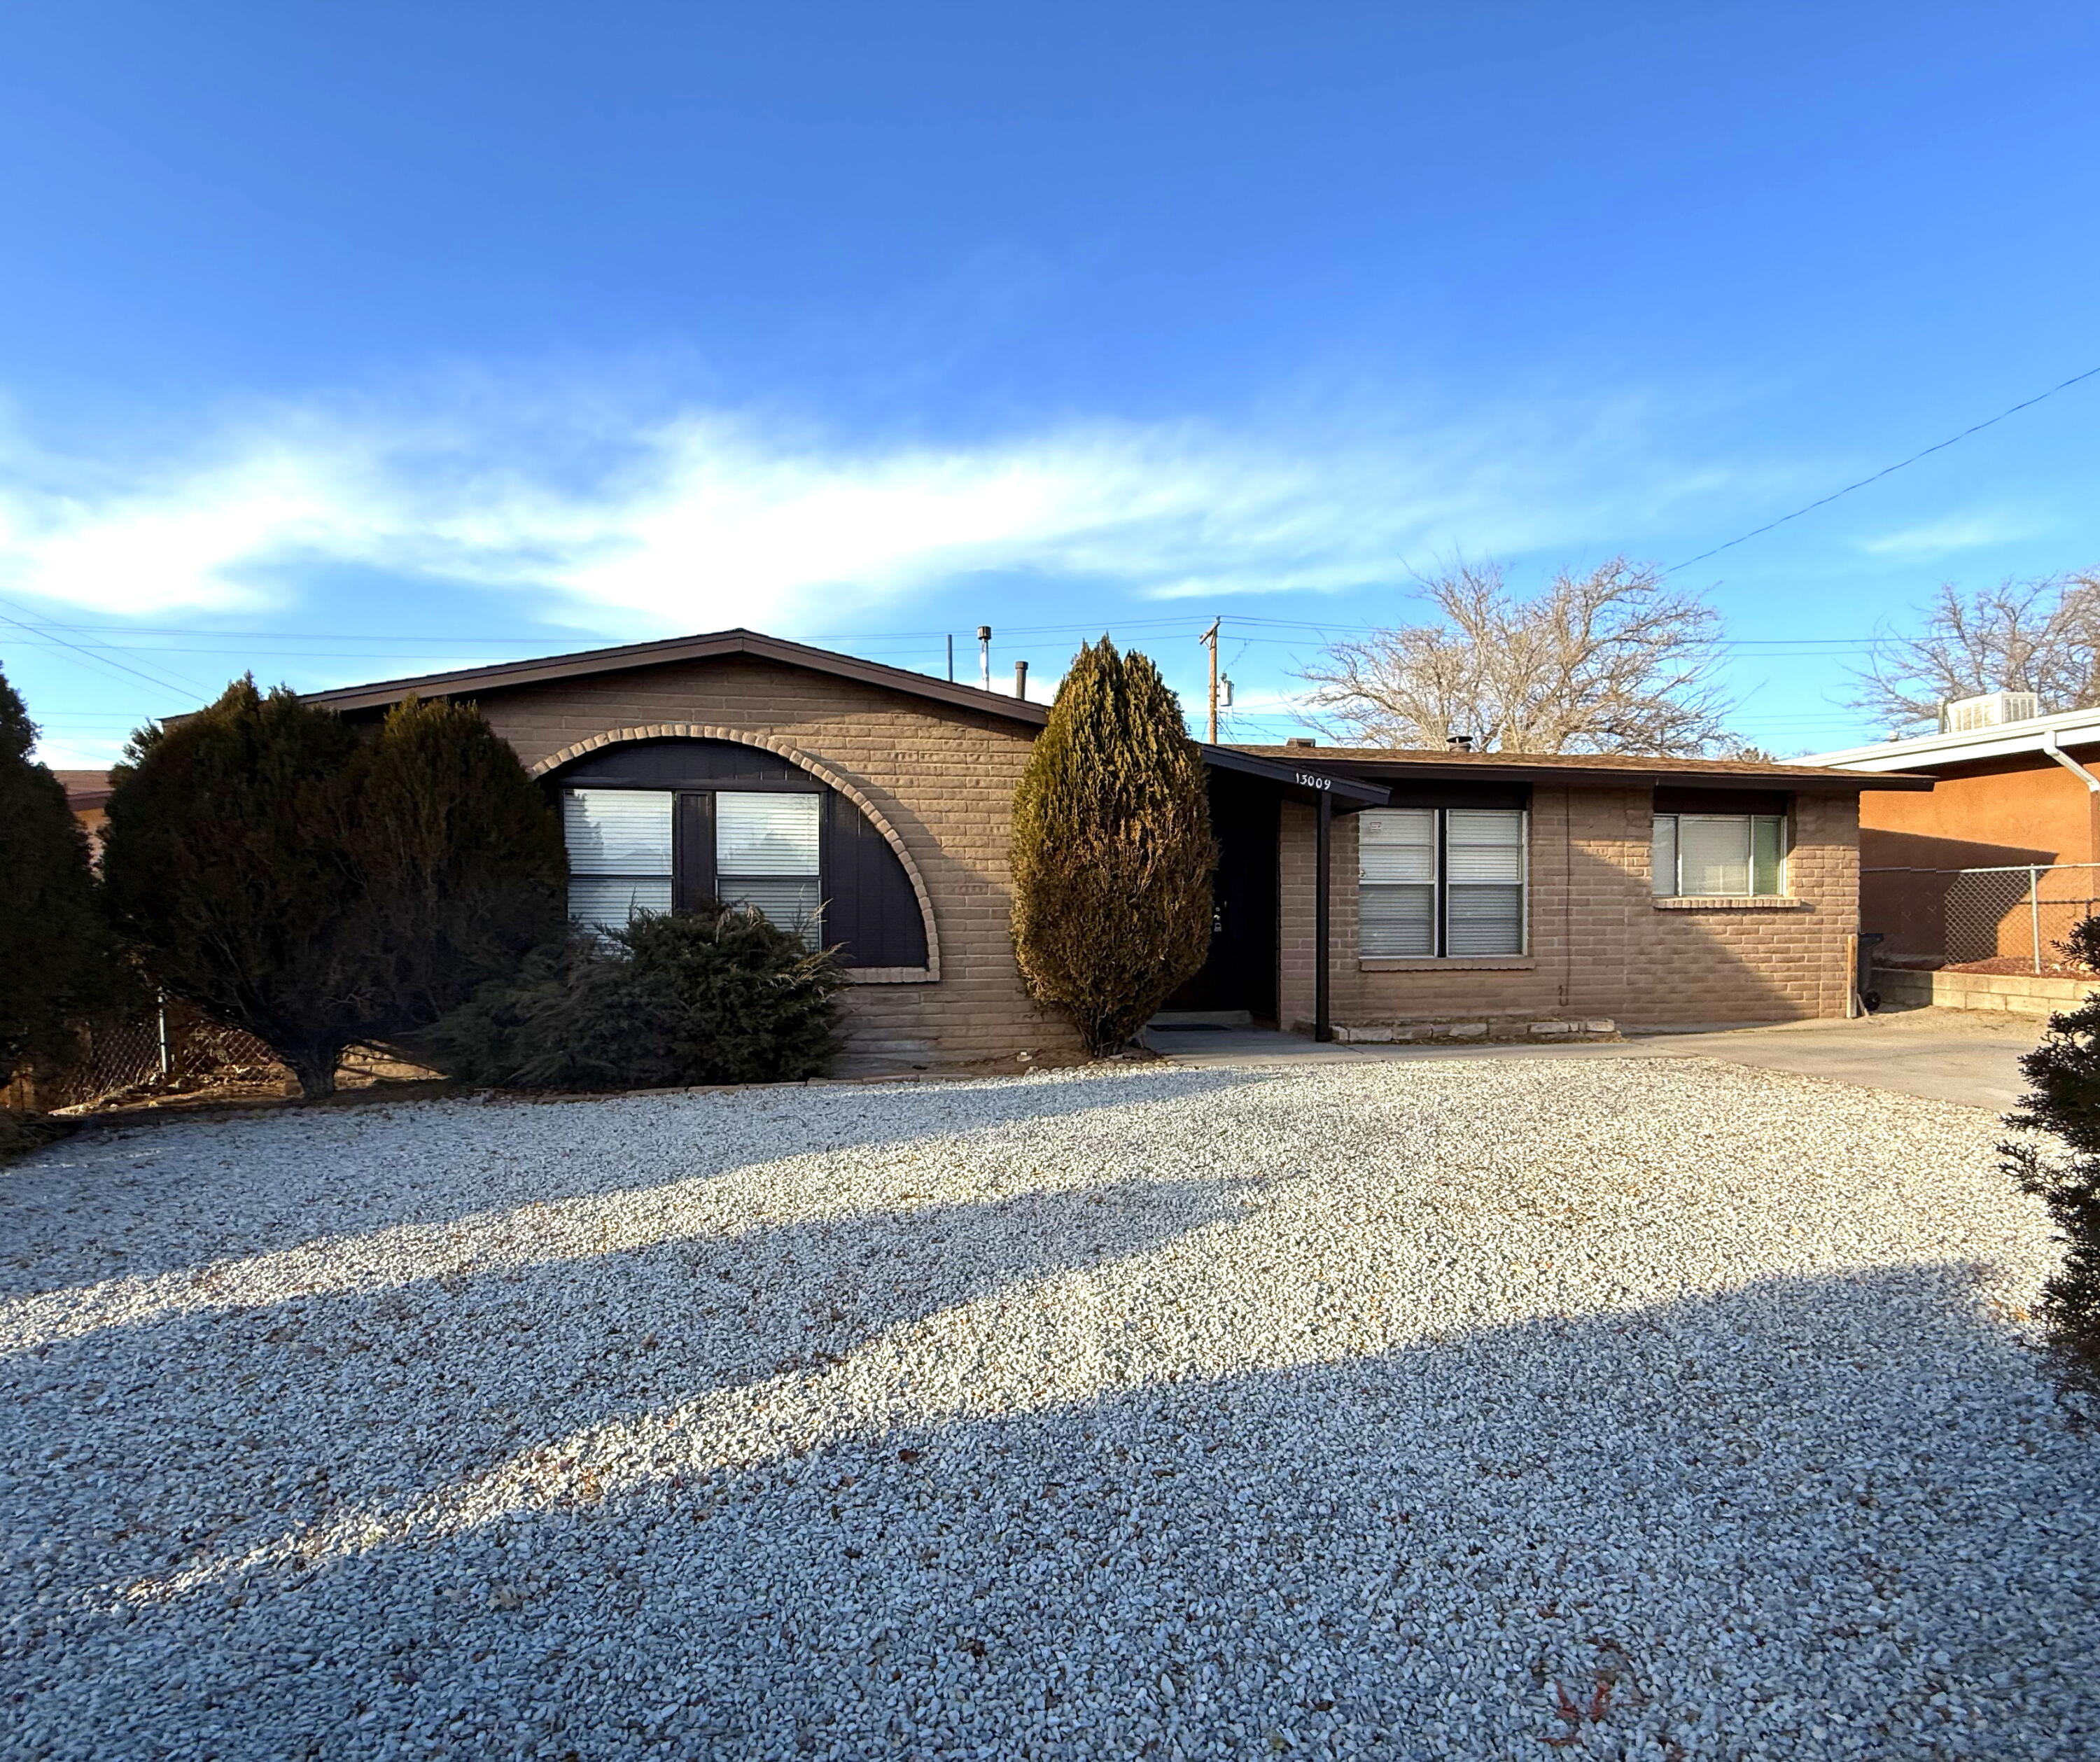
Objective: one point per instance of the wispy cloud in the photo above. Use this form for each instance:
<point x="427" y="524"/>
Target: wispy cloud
<point x="706" y="517"/>
<point x="1960" y="532"/>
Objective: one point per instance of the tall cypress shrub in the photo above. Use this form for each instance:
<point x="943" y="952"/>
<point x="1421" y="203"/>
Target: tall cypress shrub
<point x="1112" y="849"/>
<point x="321" y="891"/>
<point x="56" y="965"/>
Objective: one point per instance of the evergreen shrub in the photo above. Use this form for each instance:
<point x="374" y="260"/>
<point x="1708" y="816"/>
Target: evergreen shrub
<point x="56" y="962"/>
<point x="2064" y="1104"/>
<point x="322" y="891"/>
<point x="1112" y="849"/>
<point x="718" y="995"/>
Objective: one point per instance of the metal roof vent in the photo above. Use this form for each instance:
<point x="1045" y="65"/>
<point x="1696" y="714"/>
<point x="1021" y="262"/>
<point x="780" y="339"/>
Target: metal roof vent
<point x="1301" y="739"/>
<point x="1992" y="710"/>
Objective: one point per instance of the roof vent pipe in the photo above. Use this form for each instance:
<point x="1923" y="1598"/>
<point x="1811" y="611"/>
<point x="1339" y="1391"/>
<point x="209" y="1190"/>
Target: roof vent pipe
<point x="1459" y="743"/>
<point x="983" y="656"/>
<point x="1020" y="680"/>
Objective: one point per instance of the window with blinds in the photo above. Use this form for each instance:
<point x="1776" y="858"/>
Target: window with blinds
<point x="620" y="857"/>
<point x="1720" y="856"/>
<point x="1398" y="872"/>
<point x="766" y="856"/>
<point x="624" y="856"/>
<point x="1448" y="881"/>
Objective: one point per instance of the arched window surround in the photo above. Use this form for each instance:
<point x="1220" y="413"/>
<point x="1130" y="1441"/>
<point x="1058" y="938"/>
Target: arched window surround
<point x="823" y="774"/>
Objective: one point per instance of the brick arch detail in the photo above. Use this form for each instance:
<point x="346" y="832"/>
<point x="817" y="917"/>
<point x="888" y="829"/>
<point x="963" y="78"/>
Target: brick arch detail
<point x="823" y="773"/>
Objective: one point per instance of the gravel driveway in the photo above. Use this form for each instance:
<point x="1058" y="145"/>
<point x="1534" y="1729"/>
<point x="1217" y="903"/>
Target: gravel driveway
<point x="1648" y="1408"/>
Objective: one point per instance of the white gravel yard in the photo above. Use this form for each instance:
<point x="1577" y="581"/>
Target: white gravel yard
<point x="1655" y="1409"/>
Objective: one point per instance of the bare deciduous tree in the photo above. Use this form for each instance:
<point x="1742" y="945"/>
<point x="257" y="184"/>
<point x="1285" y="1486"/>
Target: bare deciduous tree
<point x="2042" y="637"/>
<point x="1609" y="662"/>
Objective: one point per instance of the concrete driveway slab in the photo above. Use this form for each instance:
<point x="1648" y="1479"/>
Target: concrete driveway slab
<point x="1949" y="1055"/>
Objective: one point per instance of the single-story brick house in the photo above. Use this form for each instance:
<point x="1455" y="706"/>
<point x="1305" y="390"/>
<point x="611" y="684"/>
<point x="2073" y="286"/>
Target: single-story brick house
<point x="1486" y="886"/>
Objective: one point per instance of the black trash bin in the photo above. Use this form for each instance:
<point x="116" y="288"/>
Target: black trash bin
<point x="1863" y="978"/>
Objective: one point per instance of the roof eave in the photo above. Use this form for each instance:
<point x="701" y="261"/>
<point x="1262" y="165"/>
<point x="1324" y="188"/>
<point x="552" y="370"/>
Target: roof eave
<point x="1349" y="793"/>
<point x="1662" y="776"/>
<point x="2006" y="740"/>
<point x="510" y="676"/>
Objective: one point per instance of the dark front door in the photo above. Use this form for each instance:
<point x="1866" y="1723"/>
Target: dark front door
<point x="1240" y="971"/>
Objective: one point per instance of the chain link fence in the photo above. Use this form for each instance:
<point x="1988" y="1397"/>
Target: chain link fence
<point x="2010" y="918"/>
<point x="168" y="1049"/>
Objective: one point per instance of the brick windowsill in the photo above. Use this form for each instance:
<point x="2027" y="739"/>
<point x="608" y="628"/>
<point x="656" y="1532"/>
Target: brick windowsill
<point x="1449" y="964"/>
<point x="1743" y="903"/>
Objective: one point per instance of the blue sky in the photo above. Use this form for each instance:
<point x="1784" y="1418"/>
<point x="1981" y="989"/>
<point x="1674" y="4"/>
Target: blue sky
<point x="344" y="342"/>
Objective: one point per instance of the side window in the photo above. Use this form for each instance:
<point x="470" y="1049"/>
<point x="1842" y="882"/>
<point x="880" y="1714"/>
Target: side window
<point x="1397" y="867"/>
<point x="1718" y="856"/>
<point x="1441" y="881"/>
<point x="1484" y="869"/>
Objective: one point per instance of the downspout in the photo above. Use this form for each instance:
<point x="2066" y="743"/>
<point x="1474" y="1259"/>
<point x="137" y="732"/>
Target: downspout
<point x="2092" y="791"/>
<point x="1323" y="865"/>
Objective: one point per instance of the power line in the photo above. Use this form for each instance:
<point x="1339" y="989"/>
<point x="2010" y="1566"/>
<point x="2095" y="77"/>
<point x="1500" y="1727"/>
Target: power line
<point x="1936" y="447"/>
<point x="164" y="683"/>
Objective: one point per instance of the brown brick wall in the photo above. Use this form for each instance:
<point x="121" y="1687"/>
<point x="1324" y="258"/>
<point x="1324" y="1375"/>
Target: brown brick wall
<point x="944" y="779"/>
<point x="1600" y="946"/>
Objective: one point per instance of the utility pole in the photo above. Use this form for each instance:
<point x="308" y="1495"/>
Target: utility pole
<point x="1209" y="640"/>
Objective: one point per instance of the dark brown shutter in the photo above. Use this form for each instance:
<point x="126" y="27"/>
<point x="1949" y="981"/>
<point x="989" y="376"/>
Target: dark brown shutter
<point x="870" y="908"/>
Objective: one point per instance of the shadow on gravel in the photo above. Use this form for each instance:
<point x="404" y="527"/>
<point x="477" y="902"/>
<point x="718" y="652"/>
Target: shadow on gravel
<point x="375" y="1401"/>
<point x="228" y="1188"/>
<point x="1811" y="1518"/>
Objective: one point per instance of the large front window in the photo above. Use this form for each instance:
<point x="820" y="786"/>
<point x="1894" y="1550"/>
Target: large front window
<point x="633" y="850"/>
<point x="1718" y="856"/>
<point x="1447" y="881"/>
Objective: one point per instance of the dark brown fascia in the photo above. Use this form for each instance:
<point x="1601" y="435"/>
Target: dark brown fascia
<point x="471" y="681"/>
<point x="1351" y="792"/>
<point x="1802" y="780"/>
<point x="1348" y="793"/>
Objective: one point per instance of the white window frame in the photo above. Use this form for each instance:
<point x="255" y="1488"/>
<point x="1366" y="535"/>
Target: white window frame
<point x="1442" y="885"/>
<point x="1668" y="862"/>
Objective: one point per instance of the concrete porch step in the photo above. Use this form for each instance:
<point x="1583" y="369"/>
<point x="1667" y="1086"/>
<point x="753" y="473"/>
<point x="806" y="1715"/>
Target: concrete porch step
<point x="1488" y="1028"/>
<point x="1173" y="1021"/>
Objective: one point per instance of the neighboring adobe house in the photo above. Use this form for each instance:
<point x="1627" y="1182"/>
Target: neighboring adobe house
<point x="2010" y="795"/>
<point x="87" y="794"/>
<point x="1474" y="888"/>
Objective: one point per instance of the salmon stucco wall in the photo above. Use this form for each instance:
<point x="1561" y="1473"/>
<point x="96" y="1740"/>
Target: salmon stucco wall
<point x="1600" y="944"/>
<point x="2001" y="814"/>
<point x="2015" y="810"/>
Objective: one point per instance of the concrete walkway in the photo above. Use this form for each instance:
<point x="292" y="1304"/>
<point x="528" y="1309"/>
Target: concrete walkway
<point x="1949" y="1055"/>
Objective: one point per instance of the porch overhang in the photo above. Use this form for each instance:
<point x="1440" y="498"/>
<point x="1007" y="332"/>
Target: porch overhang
<point x="1311" y="783"/>
<point x="1327" y="794"/>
